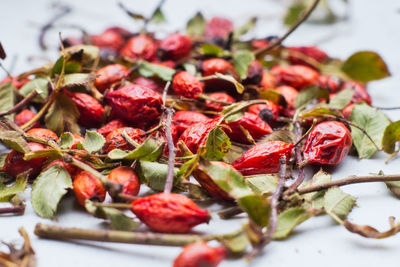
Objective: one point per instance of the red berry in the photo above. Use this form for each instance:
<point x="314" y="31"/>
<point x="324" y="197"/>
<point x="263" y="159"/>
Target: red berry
<point x="200" y="254"/>
<point x="218" y="29"/>
<point x="360" y="93"/>
<point x="109" y="39"/>
<point x="155" y="85"/>
<point x="126" y="177"/>
<point x="115" y="139"/>
<point x="139" y="47"/>
<point x="255" y="73"/>
<point x="329" y="82"/>
<point x="255" y="126"/>
<point x="43" y="133"/>
<point x="175" y="46"/>
<point x="111" y="126"/>
<point x="15" y="82"/>
<point x="186" y="85"/>
<point x="218" y="96"/>
<point x="90" y="110"/>
<point x="268" y="81"/>
<point x="297" y="76"/>
<point x="218" y="65"/>
<point x="309" y="51"/>
<point x="24" y="116"/>
<point x="86" y="186"/>
<point x="109" y="75"/>
<point x="347" y="111"/>
<point x="184" y="119"/>
<point x="289" y="93"/>
<point x="71" y="169"/>
<point x="274" y="108"/>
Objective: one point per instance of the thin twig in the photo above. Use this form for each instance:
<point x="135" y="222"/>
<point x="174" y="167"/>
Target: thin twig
<point x="20" y="209"/>
<point x="20" y="104"/>
<point x="171" y="152"/>
<point x="263" y="51"/>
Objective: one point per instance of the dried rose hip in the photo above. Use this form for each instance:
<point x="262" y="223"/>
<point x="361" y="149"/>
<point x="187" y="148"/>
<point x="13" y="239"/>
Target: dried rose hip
<point x="309" y="51"/>
<point x="109" y="39"/>
<point x="15" y="82"/>
<point x="297" y="76"/>
<point x="42" y="132"/>
<point x="196" y="135"/>
<point x="24" y="116"/>
<point x="139" y="47"/>
<point x="221" y="96"/>
<point x="218" y="29"/>
<point x="174" y="47"/>
<point x="328" y="143"/>
<point x="136" y="104"/>
<point x="254" y="73"/>
<point x="15" y="164"/>
<point x="186" y="85"/>
<point x="71" y="169"/>
<point x="156" y="86"/>
<point x="109" y="75"/>
<point x="86" y="186"/>
<point x="347" y="111"/>
<point x="200" y="254"/>
<point x="169" y="213"/>
<point x="273" y="110"/>
<point x="126" y="177"/>
<point x="268" y="81"/>
<point x="115" y="140"/>
<point x="183" y="119"/>
<point x="255" y="126"/>
<point x="218" y="65"/>
<point x="90" y="110"/>
<point x="111" y="126"/>
<point x="360" y="93"/>
<point x="329" y="82"/>
<point x="289" y="93"/>
<point x="263" y="158"/>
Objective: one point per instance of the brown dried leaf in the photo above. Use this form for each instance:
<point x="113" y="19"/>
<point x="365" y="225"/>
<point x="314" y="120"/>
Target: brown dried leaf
<point x="371" y="232"/>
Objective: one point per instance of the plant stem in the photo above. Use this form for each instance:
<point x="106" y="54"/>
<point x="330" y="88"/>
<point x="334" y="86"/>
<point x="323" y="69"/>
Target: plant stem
<point x="20" y="209"/>
<point x="206" y="97"/>
<point x="64" y="10"/>
<point x="273" y="220"/>
<point x="20" y="104"/>
<point x="229" y="213"/>
<point x="171" y="152"/>
<point x="261" y="52"/>
<point x="349" y="180"/>
<point x="113" y="205"/>
<point x="56" y="232"/>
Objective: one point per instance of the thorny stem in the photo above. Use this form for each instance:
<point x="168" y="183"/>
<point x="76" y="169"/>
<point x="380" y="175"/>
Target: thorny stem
<point x="349" y="180"/>
<point x="263" y="51"/>
<point x="20" y="104"/>
<point x="20" y="209"/>
<point x="273" y="220"/>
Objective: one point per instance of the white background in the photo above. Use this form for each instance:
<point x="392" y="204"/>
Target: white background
<point x="373" y="25"/>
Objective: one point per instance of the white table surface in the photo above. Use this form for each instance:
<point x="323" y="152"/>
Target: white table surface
<point x="374" y="25"/>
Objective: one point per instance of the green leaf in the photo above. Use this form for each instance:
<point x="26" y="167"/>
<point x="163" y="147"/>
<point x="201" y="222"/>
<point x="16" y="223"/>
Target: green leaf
<point x="235" y="243"/>
<point x="77" y="79"/>
<point x="239" y="87"/>
<point x="294" y="12"/>
<point x="93" y="141"/>
<point x="374" y="123"/>
<point x="89" y="52"/>
<point x="263" y="184"/>
<point x="320" y="112"/>
<point x="257" y="208"/>
<point x="241" y="62"/>
<point x="195" y="26"/>
<point x="154" y="174"/>
<point x="288" y="220"/>
<point x="391" y="136"/>
<point x="365" y="66"/>
<point x="273" y="96"/>
<point x="217" y="144"/>
<point x="18" y="187"/>
<point x="342" y="99"/>
<point x="149" y="150"/>
<point x="70" y="66"/>
<point x="48" y="189"/>
<point x="338" y="204"/>
<point x="191" y="68"/>
<point x="283" y="135"/>
<point x="394" y="187"/>
<point x="147" y="69"/>
<point x="187" y="168"/>
<point x="40" y="85"/>
<point x="7" y="98"/>
<point x="158" y="16"/>
<point x="307" y="95"/>
<point x="315" y="200"/>
<point x="66" y="140"/>
<point x="212" y="50"/>
<point x="14" y="140"/>
<point x="62" y="115"/>
<point x="245" y="28"/>
<point x="118" y="220"/>
<point x="47" y="152"/>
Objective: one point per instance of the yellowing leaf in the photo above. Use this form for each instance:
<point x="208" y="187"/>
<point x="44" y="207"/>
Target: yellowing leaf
<point x="338" y="204"/>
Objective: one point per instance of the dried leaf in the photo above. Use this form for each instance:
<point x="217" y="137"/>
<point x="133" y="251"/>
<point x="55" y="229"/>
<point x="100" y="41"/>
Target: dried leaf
<point x="7" y="98"/>
<point x="217" y="144"/>
<point x="93" y="141"/>
<point x="195" y="26"/>
<point x="154" y="174"/>
<point x="212" y="50"/>
<point x="307" y="95"/>
<point x="40" y="85"/>
<point x="77" y="79"/>
<point x="371" y="232"/>
<point x="248" y="26"/>
<point x="338" y="204"/>
<point x="147" y="69"/>
<point x="66" y="140"/>
<point x="158" y="16"/>
<point x="288" y="220"/>
<point x="7" y="192"/>
<point x="394" y="187"/>
<point x="263" y="184"/>
<point x="149" y="150"/>
<point x="391" y="136"/>
<point x="241" y="62"/>
<point x="236" y="243"/>
<point x="14" y="140"/>
<point x="342" y="99"/>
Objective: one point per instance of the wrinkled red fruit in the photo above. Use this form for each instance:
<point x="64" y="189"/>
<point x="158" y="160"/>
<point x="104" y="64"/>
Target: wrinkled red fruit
<point x="109" y="75"/>
<point x="255" y="126"/>
<point x="184" y="119"/>
<point x="169" y="213"/>
<point x="86" y="186"/>
<point x="360" y="93"/>
<point x="111" y="126"/>
<point x="15" y="82"/>
<point x="71" y="169"/>
<point x="268" y="81"/>
<point x="139" y="47"/>
<point x="218" y="65"/>
<point x="115" y="139"/>
<point x="255" y="73"/>
<point x="221" y="96"/>
<point x="174" y="47"/>
<point x="43" y="133"/>
<point x="90" y="110"/>
<point x="156" y="86"/>
<point x="136" y="104"/>
<point x="200" y="255"/>
<point x="271" y="106"/>
<point x="186" y="85"/>
<point x="126" y="177"/>
<point x="109" y="39"/>
<point x="347" y="111"/>
<point x="289" y="93"/>
<point x="310" y="51"/>
<point x="330" y="83"/>
<point x="24" y="116"/>
<point x="15" y="164"/>
<point x="263" y="158"/>
<point x="218" y="29"/>
<point x="328" y="143"/>
<point x="196" y="135"/>
<point x="297" y="76"/>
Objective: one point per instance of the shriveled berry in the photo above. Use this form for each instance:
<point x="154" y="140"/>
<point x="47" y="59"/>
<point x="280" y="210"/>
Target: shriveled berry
<point x="255" y="126"/>
<point x="90" y="110"/>
<point x="109" y="75"/>
<point x="174" y="47"/>
<point x="309" y="51"/>
<point x="121" y="31"/>
<point x="332" y="84"/>
<point x="221" y="96"/>
<point x="218" y="29"/>
<point x="155" y="85"/>
<point x="360" y="93"/>
<point x="109" y="39"/>
<point x="24" y="116"/>
<point x="15" y="164"/>
<point x="15" y="82"/>
<point x="111" y="126"/>
<point x="71" y="169"/>
<point x="268" y="81"/>
<point x="255" y="73"/>
<point x="274" y="109"/>
<point x="169" y="213"/>
<point x="297" y="76"/>
<point x="184" y="119"/>
<point x="136" y="104"/>
<point x="347" y="111"/>
<point x="200" y="255"/>
<point x="88" y="187"/>
<point x="126" y="177"/>
<point x="186" y="85"/>
<point x="263" y="158"/>
<point x="218" y="65"/>
<point x="289" y="93"/>
<point x="139" y="47"/>
<point x="43" y="133"/>
<point x="115" y="140"/>
<point x="328" y="143"/>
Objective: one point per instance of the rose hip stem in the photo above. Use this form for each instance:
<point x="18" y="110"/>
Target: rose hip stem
<point x="304" y="17"/>
<point x="273" y="220"/>
<point x="56" y="232"/>
<point x="20" y="209"/>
